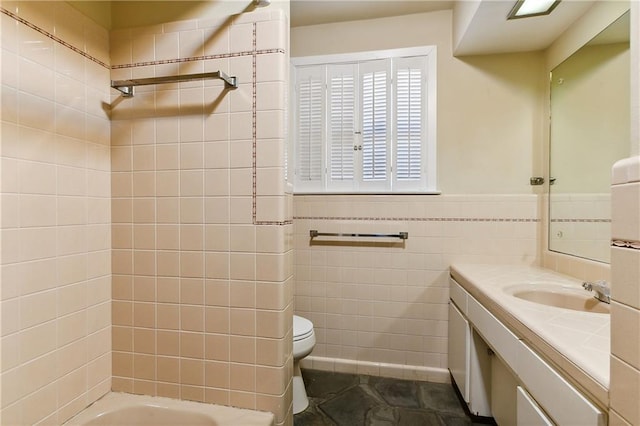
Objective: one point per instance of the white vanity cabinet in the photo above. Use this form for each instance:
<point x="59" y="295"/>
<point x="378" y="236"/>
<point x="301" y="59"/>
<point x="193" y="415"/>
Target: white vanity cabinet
<point x="528" y="412"/>
<point x="513" y="384"/>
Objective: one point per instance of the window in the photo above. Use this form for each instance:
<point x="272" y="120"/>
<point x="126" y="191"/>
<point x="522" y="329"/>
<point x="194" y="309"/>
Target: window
<point x="365" y="122"/>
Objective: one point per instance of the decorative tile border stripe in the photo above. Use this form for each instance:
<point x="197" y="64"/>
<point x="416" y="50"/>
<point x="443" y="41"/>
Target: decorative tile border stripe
<point x="578" y="220"/>
<point x="196" y="58"/>
<point x="419" y="219"/>
<point x="53" y="37"/>
<point x="136" y="64"/>
<point x="635" y="245"/>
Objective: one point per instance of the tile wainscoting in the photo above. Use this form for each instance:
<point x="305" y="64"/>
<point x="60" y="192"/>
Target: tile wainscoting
<point x="379" y="306"/>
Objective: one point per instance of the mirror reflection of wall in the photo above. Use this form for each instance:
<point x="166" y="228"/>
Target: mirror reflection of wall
<point x="590" y="126"/>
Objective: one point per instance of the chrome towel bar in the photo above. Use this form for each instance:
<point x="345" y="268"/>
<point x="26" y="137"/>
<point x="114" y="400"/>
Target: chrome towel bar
<point x="126" y="86"/>
<point x="314" y="233"/>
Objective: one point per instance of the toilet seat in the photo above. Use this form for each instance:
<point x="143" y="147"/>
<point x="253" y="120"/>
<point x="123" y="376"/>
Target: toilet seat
<point x="302" y="328"/>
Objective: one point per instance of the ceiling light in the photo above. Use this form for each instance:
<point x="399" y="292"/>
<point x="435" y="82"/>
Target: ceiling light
<point x="527" y="8"/>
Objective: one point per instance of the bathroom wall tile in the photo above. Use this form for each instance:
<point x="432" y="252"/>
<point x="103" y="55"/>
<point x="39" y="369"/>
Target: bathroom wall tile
<point x="192" y="318"/>
<point x="40" y="340"/>
<point x="192" y="393"/>
<point x="241" y="38"/>
<point x="270" y="208"/>
<point x="144" y="367"/>
<point x="276" y="404"/>
<point x="168" y="370"/>
<point x="216" y="182"/>
<point x="144" y="314"/>
<point x="191" y="183"/>
<point x="192" y="372"/>
<point x="40" y="404"/>
<point x="625" y="325"/>
<point x="168" y="343"/>
<point x="191" y="43"/>
<point x="192" y="291"/>
<point x="271" y="35"/>
<point x="191" y="237"/>
<point x="168" y="209"/>
<point x="624" y="225"/>
<point x="217" y="292"/>
<point x="238" y="130"/>
<point x="240" y="210"/>
<point x="242" y="377"/>
<point x="191" y="127"/>
<point x="122" y="339"/>
<point x="144" y="341"/>
<point x="272" y="324"/>
<point x="168" y="390"/>
<point x="270" y="181"/>
<point x="144" y="387"/>
<point x="122" y="364"/>
<point x="270" y="67"/>
<point x="242" y="266"/>
<point x="35" y="46"/>
<point x="143" y="48"/>
<point x="625" y="274"/>
<point x="625" y="383"/>
<point x="217" y="210"/>
<point x="168" y="289"/>
<point x="192" y="345"/>
<point x="217" y="347"/>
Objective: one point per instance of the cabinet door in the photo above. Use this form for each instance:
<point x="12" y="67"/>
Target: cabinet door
<point x="528" y="412"/>
<point x="479" y="376"/>
<point x="458" y="357"/>
<point x="503" y="393"/>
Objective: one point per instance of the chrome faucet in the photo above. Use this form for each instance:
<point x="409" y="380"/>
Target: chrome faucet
<point x="601" y="288"/>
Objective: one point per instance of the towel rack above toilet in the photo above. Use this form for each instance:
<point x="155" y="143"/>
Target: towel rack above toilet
<point x="314" y="233"/>
<point x="126" y="86"/>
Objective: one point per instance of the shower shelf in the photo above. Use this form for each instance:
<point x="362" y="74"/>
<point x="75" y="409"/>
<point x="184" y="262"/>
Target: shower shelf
<point x="126" y="86"/>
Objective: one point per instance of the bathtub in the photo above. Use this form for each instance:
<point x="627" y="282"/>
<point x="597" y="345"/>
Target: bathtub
<point x="138" y="410"/>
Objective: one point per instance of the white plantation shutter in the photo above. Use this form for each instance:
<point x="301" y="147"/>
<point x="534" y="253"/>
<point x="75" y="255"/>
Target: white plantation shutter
<point x="341" y="125"/>
<point x="410" y="120"/>
<point x="376" y="114"/>
<point x="366" y="122"/>
<point x="310" y="125"/>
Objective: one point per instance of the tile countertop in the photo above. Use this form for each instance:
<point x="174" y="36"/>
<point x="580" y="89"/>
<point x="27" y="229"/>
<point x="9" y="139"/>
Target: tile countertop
<point x="574" y="342"/>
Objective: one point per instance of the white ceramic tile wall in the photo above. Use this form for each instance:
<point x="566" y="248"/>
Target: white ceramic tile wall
<point x="382" y="306"/>
<point x="202" y="248"/>
<point x="625" y="292"/>
<point x="55" y="197"/>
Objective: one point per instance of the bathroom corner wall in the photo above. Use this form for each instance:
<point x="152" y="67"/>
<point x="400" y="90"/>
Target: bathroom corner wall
<point x="202" y="247"/>
<point x="55" y="218"/>
<point x="381" y="307"/>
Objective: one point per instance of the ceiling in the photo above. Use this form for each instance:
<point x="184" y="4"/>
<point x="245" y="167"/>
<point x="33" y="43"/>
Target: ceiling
<point x="487" y="30"/>
<point x="313" y="12"/>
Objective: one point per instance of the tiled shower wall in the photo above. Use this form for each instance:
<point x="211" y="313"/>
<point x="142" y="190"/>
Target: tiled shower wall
<point x="625" y="293"/>
<point x="379" y="306"/>
<point x="55" y="196"/>
<point x="202" y="259"/>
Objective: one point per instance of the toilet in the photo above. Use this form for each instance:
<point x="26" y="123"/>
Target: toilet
<point x="304" y="339"/>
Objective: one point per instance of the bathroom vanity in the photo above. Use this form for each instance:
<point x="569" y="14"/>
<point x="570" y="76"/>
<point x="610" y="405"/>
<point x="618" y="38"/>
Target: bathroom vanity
<point x="528" y="346"/>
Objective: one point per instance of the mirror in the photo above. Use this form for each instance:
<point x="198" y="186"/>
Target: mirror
<point x="590" y="127"/>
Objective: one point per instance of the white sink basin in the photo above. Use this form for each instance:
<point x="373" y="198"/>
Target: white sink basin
<point x="559" y="296"/>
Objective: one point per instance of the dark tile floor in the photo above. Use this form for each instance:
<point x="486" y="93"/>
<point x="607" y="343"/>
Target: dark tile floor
<point x="353" y="400"/>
